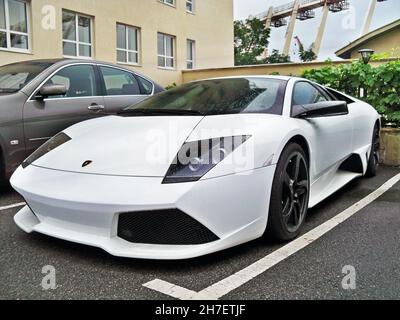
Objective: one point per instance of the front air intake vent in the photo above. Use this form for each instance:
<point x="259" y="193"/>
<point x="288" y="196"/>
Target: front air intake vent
<point x="169" y="227"/>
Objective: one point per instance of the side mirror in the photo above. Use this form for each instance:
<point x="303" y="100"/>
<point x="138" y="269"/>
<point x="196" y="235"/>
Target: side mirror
<point x="320" y="109"/>
<point x="51" y="90"/>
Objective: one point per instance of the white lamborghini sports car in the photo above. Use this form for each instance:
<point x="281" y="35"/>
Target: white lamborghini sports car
<point x="199" y="168"/>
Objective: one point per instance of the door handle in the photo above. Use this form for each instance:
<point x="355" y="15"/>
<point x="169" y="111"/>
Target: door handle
<point x="96" y="107"/>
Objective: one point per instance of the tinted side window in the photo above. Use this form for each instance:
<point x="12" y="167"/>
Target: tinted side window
<point x="80" y="81"/>
<point x="147" y="86"/>
<point x="119" y="82"/>
<point x="339" y="96"/>
<point x="305" y="93"/>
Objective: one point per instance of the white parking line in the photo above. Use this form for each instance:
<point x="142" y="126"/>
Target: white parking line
<point x="223" y="287"/>
<point x="171" y="289"/>
<point x="14" y="205"/>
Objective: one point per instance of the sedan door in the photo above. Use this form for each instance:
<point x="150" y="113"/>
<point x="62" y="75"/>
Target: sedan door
<point x="332" y="136"/>
<point x="43" y="118"/>
<point x="123" y="88"/>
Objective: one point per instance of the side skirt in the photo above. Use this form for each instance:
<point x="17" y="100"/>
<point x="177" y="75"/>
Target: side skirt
<point x="338" y="181"/>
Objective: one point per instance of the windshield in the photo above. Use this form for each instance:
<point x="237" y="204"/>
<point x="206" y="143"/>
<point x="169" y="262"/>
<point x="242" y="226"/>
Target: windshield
<point x="219" y="96"/>
<point x="14" y="77"/>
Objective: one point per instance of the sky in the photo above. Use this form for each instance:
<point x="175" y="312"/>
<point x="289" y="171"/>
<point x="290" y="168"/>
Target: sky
<point x="341" y="29"/>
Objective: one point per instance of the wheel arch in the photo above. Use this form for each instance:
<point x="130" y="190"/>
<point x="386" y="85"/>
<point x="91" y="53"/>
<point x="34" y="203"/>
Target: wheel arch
<point x="301" y="140"/>
<point x="303" y="143"/>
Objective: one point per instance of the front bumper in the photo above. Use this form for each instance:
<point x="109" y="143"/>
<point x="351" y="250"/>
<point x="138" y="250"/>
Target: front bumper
<point x="84" y="208"/>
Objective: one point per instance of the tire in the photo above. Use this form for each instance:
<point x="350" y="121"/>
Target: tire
<point x="373" y="161"/>
<point x="3" y="181"/>
<point x="289" y="195"/>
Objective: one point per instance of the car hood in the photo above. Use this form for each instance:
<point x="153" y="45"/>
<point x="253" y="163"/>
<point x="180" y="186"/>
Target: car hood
<point x="126" y="146"/>
<point x="147" y="146"/>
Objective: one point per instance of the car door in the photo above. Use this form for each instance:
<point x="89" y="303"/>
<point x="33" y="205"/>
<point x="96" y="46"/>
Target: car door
<point x="331" y="136"/>
<point x="361" y="119"/>
<point x="123" y="88"/>
<point x="43" y="118"/>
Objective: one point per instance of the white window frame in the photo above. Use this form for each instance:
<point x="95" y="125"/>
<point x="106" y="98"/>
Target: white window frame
<point x="8" y="30"/>
<point x="165" y="56"/>
<point x="77" y="42"/>
<point x="173" y="4"/>
<point x="193" y="4"/>
<point x="126" y="50"/>
<point x="192" y="43"/>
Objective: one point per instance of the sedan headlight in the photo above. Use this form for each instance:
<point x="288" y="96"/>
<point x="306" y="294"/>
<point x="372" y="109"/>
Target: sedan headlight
<point x="195" y="159"/>
<point x="50" y="145"/>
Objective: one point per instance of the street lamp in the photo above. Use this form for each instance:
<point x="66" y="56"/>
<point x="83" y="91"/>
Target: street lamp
<point x="366" y="55"/>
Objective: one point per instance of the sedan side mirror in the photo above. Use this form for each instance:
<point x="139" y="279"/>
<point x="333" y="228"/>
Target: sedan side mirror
<point x="320" y="109"/>
<point x="51" y="90"/>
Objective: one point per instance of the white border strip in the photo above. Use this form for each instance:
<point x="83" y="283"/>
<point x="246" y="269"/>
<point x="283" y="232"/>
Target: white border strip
<point x="15" y="205"/>
<point x="223" y="287"/>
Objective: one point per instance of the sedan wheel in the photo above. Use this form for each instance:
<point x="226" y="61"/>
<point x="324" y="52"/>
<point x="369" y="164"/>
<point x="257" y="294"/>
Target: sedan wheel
<point x="290" y="195"/>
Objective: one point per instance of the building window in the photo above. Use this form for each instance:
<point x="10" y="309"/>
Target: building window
<point x="14" y="25"/>
<point x="127" y="44"/>
<point x="191" y="53"/>
<point x="166" y="51"/>
<point x="190" y="6"/>
<point x="168" y="2"/>
<point x="77" y="35"/>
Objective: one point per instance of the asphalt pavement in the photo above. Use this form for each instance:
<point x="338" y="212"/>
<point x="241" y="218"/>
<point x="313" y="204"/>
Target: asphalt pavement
<point x="368" y="243"/>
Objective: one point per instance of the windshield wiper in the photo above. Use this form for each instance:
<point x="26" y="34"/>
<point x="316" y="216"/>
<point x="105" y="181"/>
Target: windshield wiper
<point x="158" y="112"/>
<point x="4" y="90"/>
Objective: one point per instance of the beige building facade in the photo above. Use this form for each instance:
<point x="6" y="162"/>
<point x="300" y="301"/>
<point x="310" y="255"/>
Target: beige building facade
<point x="158" y="38"/>
<point x="383" y="40"/>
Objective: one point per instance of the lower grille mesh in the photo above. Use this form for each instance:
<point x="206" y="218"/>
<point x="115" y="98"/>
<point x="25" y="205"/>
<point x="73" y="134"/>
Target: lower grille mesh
<point x="169" y="227"/>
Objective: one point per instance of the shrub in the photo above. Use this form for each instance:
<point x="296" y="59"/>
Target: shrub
<point x="171" y="86"/>
<point x="381" y="85"/>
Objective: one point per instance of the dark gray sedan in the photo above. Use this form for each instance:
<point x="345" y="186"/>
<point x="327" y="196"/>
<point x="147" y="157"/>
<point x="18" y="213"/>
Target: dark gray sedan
<point x="40" y="98"/>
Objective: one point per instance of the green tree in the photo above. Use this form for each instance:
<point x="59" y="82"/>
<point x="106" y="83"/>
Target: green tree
<point x="277" y="57"/>
<point x="251" y="39"/>
<point x="306" y="55"/>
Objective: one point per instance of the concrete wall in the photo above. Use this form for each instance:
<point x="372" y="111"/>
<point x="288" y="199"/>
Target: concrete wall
<point x="211" y="27"/>
<point x="265" y="69"/>
<point x="390" y="146"/>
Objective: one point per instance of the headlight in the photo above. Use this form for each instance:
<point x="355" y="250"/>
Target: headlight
<point x="53" y="143"/>
<point x="196" y="159"/>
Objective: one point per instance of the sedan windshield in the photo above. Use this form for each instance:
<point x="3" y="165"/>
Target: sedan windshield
<point x="14" y="77"/>
<point x="216" y="97"/>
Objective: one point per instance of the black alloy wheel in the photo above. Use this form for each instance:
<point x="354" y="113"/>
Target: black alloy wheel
<point x="374" y="159"/>
<point x="290" y="195"/>
<point x="295" y="192"/>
